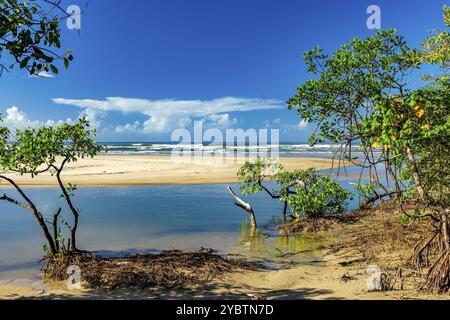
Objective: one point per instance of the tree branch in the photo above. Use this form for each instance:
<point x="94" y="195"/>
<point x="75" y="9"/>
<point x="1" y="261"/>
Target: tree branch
<point x="66" y="195"/>
<point x="244" y="205"/>
<point x="55" y="228"/>
<point x="21" y="204"/>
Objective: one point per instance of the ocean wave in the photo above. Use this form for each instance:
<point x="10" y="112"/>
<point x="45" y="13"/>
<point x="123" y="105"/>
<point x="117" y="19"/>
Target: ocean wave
<point x="167" y="148"/>
<point x="309" y="147"/>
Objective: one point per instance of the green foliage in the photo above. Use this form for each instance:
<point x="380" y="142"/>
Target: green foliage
<point x="47" y="149"/>
<point x="4" y="135"/>
<point x="319" y="196"/>
<point x="429" y="140"/>
<point x="306" y="192"/>
<point x="30" y="34"/>
<point x="350" y="82"/>
<point x="408" y="219"/>
<point x="357" y="98"/>
<point x="420" y="123"/>
<point x="252" y="174"/>
<point x="366" y="190"/>
<point x="286" y="180"/>
<point x="45" y="249"/>
<point x="32" y="151"/>
<point x="361" y="96"/>
<point x="396" y="123"/>
<point x="437" y="47"/>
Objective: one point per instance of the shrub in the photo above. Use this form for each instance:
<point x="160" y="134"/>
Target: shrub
<point x="318" y="196"/>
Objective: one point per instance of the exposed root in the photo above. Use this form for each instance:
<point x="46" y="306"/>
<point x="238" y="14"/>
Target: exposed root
<point x="421" y="253"/>
<point x="438" y="277"/>
<point x="379" y="232"/>
<point x="436" y="245"/>
<point x="379" y="239"/>
<point x="167" y="269"/>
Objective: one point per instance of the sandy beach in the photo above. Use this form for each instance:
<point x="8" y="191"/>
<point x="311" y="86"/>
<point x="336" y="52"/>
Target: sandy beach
<point x="316" y="281"/>
<point x="154" y="170"/>
<point x="313" y="281"/>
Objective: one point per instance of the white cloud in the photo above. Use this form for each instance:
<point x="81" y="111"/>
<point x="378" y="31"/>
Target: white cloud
<point x="93" y="116"/>
<point x="276" y="123"/>
<point x="168" y="114"/>
<point x="221" y="121"/>
<point x="302" y="125"/>
<point x="42" y="74"/>
<point x="129" y="128"/>
<point x="17" y="119"/>
<point x="286" y="127"/>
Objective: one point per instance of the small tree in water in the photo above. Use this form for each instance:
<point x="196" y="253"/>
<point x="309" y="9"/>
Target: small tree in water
<point x="319" y="196"/>
<point x="47" y="149"/>
<point x="305" y="192"/>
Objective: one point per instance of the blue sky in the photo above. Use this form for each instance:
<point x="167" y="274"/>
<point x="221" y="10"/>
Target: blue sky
<point x="143" y="68"/>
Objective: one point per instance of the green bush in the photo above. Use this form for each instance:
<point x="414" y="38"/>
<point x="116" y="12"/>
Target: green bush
<point x="366" y="190"/>
<point x="318" y="196"/>
<point x="305" y="192"/>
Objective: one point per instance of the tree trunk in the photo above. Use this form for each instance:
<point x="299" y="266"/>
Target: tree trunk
<point x="55" y="228"/>
<point x="438" y="277"/>
<point x="445" y="229"/>
<point x="73" y="233"/>
<point x="30" y="205"/>
<point x="76" y="215"/>
<point x="252" y="219"/>
<point x="50" y="241"/>
<point x="285" y="211"/>
<point x="246" y="206"/>
<point x="394" y="178"/>
<point x="415" y="173"/>
<point x="380" y="197"/>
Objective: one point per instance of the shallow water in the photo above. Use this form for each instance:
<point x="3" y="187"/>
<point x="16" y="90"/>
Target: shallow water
<point x="118" y="220"/>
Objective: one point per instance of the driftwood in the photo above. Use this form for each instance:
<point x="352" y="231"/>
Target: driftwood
<point x="166" y="269"/>
<point x="246" y="206"/>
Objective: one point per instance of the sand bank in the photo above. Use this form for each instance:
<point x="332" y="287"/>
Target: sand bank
<point x="317" y="281"/>
<point x="320" y="281"/>
<point x="158" y="170"/>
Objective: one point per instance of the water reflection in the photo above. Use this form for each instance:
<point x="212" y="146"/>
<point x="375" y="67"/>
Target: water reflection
<point x="270" y="244"/>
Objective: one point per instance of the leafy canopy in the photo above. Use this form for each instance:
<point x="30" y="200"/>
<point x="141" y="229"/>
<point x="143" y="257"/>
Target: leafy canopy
<point x="360" y="96"/>
<point x="437" y="47"/>
<point x="350" y="82"/>
<point x="306" y="192"/>
<point x="33" y="151"/>
<point x="319" y="196"/>
<point x="253" y="174"/>
<point x="30" y="36"/>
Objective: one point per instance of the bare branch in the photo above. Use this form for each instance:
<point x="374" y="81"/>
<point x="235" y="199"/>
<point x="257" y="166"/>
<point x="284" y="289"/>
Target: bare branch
<point x="244" y="205"/>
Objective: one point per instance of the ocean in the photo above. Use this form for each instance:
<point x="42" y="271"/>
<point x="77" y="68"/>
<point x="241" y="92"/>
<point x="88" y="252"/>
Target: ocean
<point x="166" y="148"/>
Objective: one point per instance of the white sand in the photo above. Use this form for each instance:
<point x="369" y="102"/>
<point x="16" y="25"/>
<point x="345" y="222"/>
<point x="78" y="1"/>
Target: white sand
<point x="146" y="170"/>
